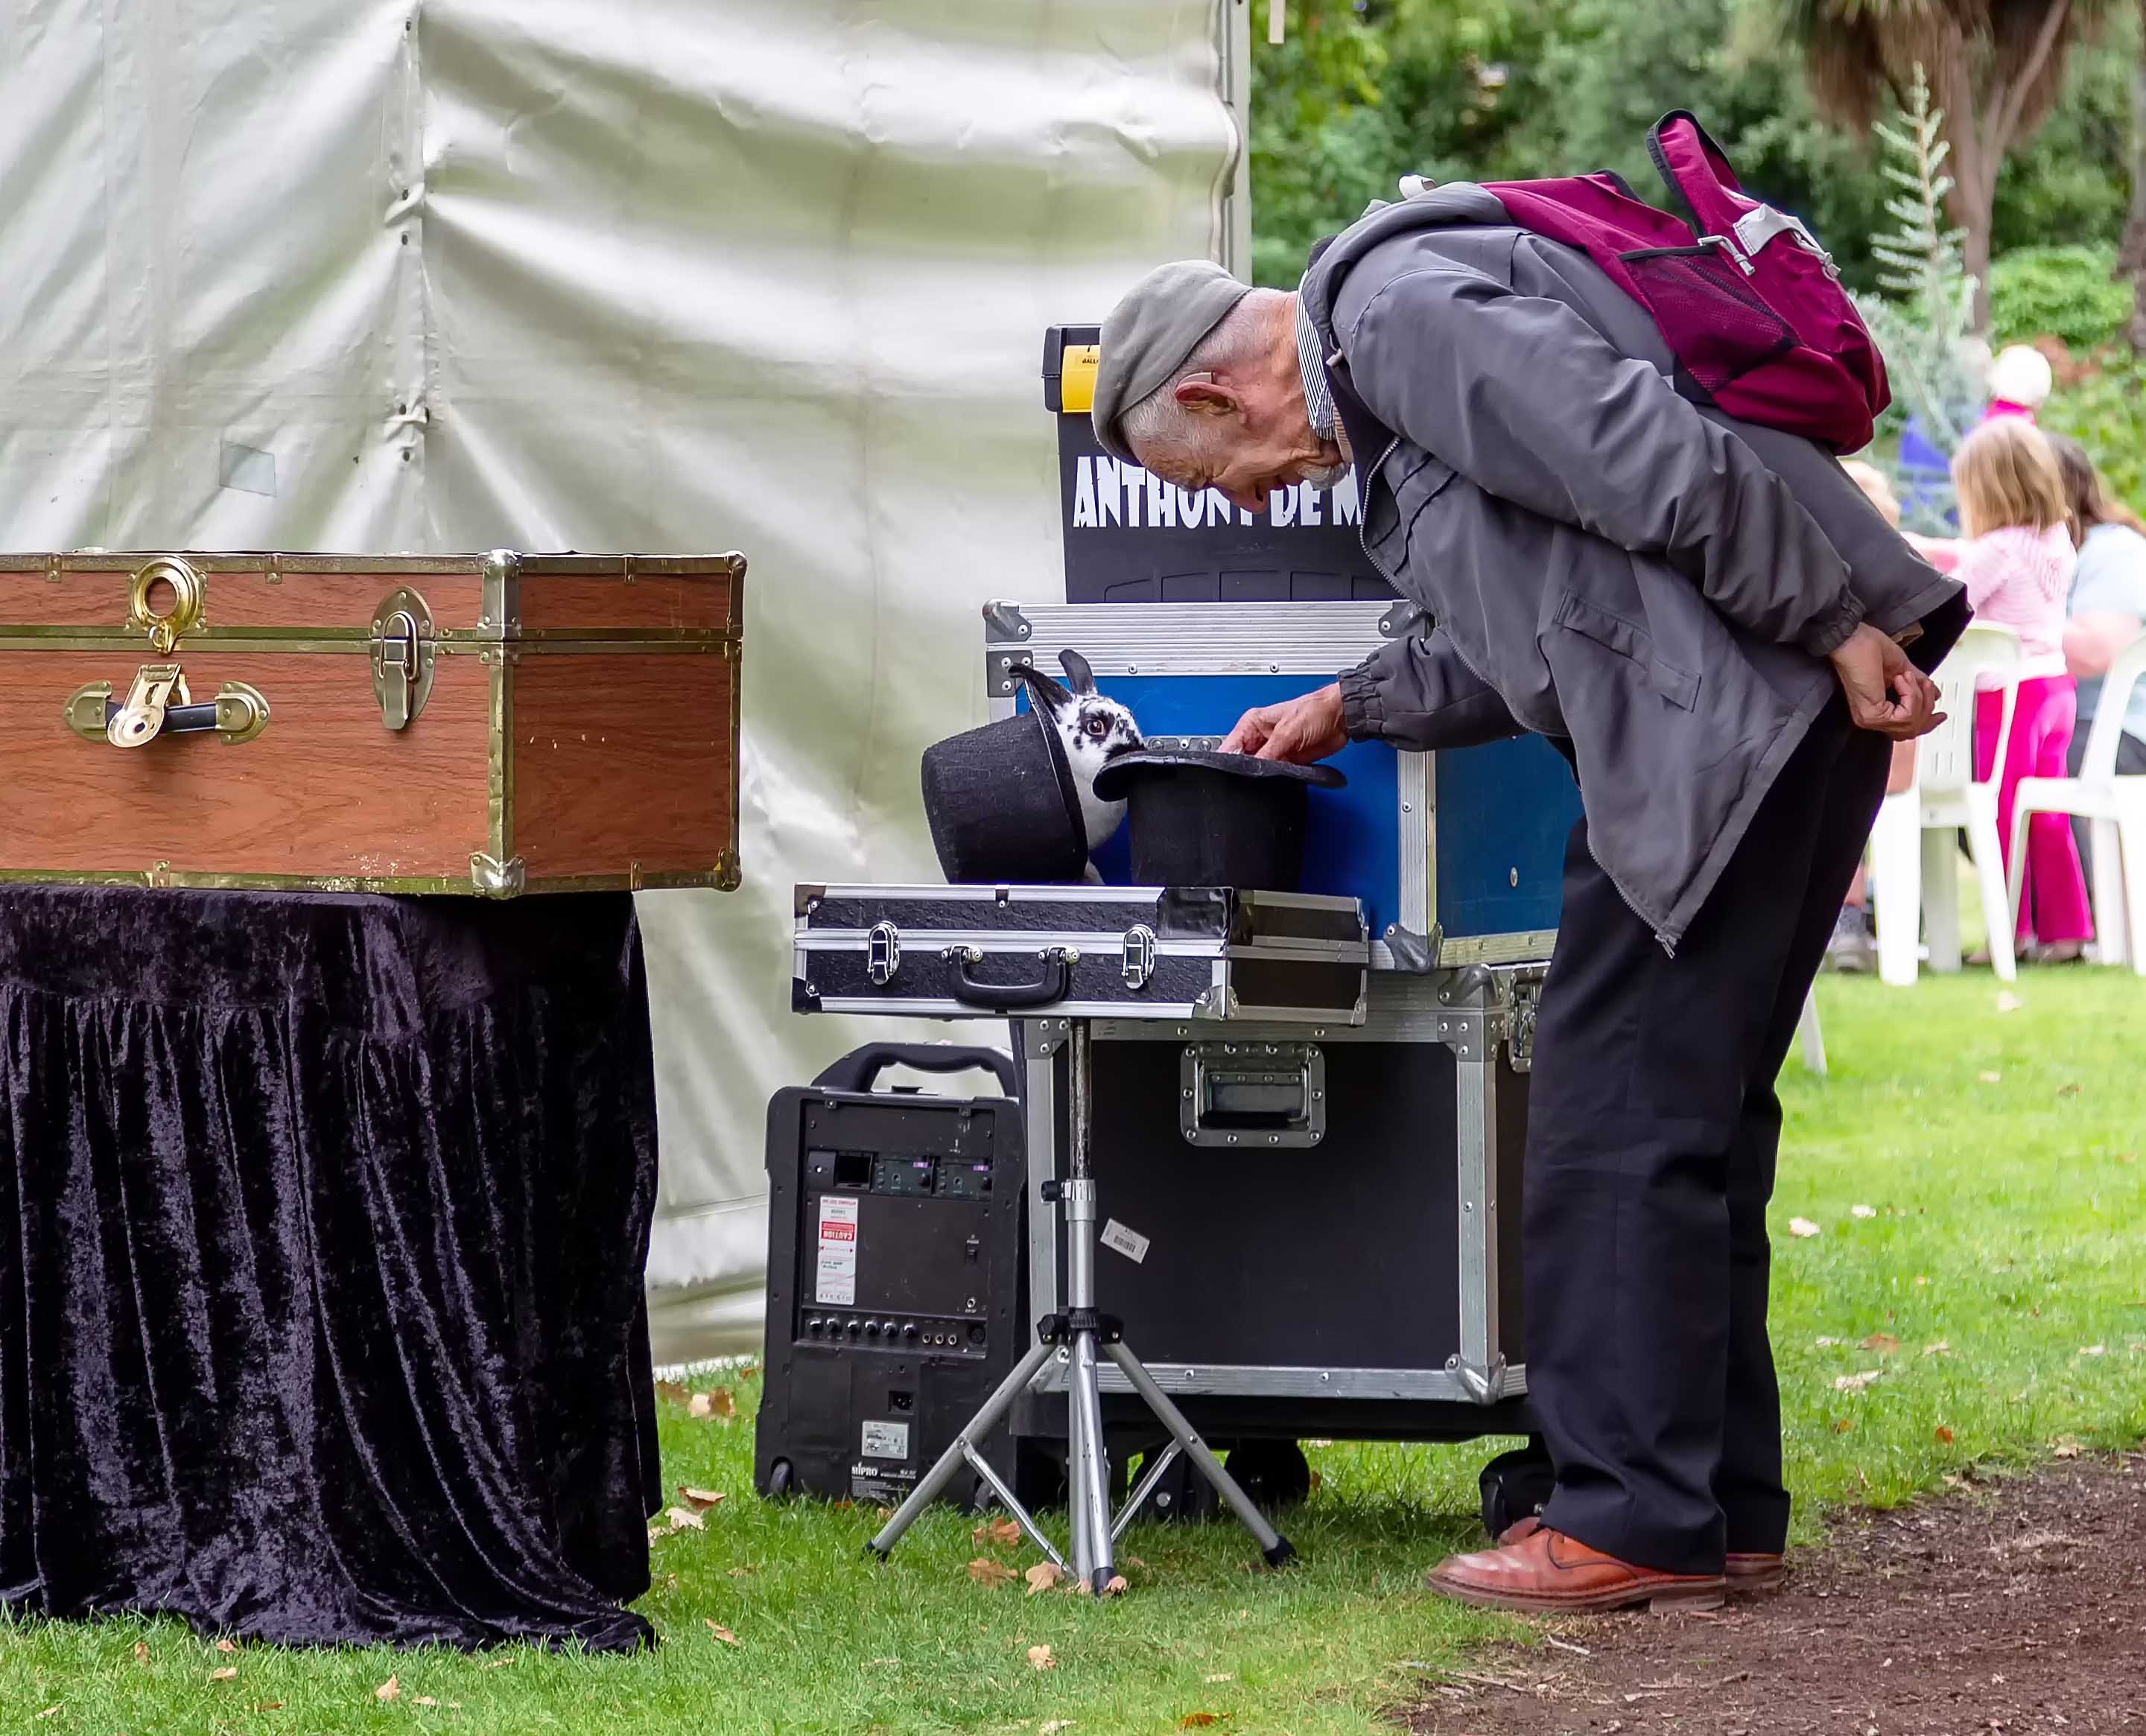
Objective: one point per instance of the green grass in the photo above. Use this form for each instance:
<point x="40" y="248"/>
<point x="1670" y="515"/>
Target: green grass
<point x="2009" y="1223"/>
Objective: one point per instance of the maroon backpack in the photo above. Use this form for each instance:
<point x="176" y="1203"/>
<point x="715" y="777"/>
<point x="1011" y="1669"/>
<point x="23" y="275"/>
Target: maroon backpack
<point x="1751" y="304"/>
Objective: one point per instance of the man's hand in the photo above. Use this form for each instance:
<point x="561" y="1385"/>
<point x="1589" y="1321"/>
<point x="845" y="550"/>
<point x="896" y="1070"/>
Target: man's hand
<point x="1886" y="693"/>
<point x="1298" y="730"/>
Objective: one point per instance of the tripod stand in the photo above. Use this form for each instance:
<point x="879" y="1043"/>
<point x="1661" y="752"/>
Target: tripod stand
<point x="1085" y="1333"/>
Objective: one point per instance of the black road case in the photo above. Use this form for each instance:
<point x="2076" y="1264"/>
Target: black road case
<point x="1329" y="1244"/>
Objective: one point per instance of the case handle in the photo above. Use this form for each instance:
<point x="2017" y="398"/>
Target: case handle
<point x="995" y="997"/>
<point x="858" y="1069"/>
<point x="158" y="704"/>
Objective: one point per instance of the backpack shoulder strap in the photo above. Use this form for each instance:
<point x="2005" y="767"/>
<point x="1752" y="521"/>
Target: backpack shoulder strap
<point x="1695" y="170"/>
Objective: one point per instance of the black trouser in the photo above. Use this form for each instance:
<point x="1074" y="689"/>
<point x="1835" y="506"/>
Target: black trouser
<point x="2130" y="762"/>
<point x="1653" y="1130"/>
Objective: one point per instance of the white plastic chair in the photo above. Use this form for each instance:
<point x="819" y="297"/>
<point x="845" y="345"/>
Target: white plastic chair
<point x="1814" y="1039"/>
<point x="2117" y="806"/>
<point x="1913" y="866"/>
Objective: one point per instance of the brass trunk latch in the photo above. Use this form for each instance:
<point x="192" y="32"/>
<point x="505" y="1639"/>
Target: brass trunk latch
<point x="402" y="653"/>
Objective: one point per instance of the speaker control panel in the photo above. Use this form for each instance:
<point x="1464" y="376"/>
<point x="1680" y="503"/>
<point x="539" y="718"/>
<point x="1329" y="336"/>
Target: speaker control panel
<point x="916" y="1333"/>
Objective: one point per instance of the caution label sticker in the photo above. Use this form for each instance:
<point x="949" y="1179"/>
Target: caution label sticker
<point x="835" y="1284"/>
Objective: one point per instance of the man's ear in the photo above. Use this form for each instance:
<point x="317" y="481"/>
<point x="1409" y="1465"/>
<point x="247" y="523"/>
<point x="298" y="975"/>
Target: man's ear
<point x="1206" y="398"/>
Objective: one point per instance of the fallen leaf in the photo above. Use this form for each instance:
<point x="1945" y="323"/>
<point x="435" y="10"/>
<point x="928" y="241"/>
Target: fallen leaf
<point x="1116" y="1586"/>
<point x="1199" y="1720"/>
<point x="1039" y="1658"/>
<point x="1989" y="1078"/>
<point x="743" y="1573"/>
<point x="226" y="1647"/>
<point x="424" y="1699"/>
<point x="1863" y="1211"/>
<point x="2069" y="1450"/>
<point x="227" y="1673"/>
<point x="1883" y="1342"/>
<point x="1922" y="1280"/>
<point x="989" y="1574"/>
<point x="2093" y="1350"/>
<point x="501" y="1663"/>
<point x="698" y="1498"/>
<point x="2127" y="1157"/>
<point x="656" y="1533"/>
<point x="1802" y="1226"/>
<point x="1841" y="1425"/>
<point x="1135" y="1561"/>
<point x="1225" y="1677"/>
<point x="1000" y="1531"/>
<point x="50" y="1712"/>
<point x="1044" y="1576"/>
<point x="2007" y="1002"/>
<point x="677" y="1392"/>
<point x="1830" y="1343"/>
<point x="681" y="1518"/>
<point x="390" y="1689"/>
<point x="1944" y="1435"/>
<point x="2067" y="1090"/>
<point x="1316" y="1479"/>
<point x="719" y="1403"/>
<point x="884" y="1514"/>
<point x="141" y="1653"/>
<point x="265" y="1706"/>
<point x="1856" y="1383"/>
<point x="1054" y="1726"/>
<point x="1939" y="1349"/>
<point x="722" y="1632"/>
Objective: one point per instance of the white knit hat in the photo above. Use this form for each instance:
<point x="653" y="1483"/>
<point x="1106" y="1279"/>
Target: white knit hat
<point x="2020" y="374"/>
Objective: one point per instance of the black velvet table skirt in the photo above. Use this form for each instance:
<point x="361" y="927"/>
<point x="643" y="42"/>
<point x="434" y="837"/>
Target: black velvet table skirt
<point x="322" y="1224"/>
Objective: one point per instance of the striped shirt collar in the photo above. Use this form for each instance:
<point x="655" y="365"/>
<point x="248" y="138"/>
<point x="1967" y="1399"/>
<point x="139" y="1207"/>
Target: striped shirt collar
<point x="1318" y="396"/>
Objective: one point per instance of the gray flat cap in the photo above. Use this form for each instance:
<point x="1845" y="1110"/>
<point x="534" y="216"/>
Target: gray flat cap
<point x="1158" y="323"/>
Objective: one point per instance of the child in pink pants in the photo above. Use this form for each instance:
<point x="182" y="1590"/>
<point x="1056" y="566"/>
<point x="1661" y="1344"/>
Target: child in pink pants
<point x="2017" y="566"/>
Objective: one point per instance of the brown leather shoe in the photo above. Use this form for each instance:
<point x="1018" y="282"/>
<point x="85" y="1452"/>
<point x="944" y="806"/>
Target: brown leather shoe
<point x="1749" y="1573"/>
<point x="1545" y="1570"/>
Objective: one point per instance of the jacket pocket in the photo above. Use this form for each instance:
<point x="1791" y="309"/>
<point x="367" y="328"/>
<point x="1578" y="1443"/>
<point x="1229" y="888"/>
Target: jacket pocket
<point x="1614" y="633"/>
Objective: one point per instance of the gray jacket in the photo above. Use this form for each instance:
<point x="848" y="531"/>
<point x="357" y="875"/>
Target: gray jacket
<point x="1657" y="583"/>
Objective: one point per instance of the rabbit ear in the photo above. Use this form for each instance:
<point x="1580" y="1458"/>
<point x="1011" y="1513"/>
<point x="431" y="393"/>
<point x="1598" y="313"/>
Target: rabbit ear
<point x="1077" y="671"/>
<point x="1044" y="689"/>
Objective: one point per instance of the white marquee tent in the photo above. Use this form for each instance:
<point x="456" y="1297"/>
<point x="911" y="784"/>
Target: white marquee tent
<point x="655" y="275"/>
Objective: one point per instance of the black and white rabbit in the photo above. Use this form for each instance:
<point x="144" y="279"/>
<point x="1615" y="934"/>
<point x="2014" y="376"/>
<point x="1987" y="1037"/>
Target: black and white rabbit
<point x="1093" y="731"/>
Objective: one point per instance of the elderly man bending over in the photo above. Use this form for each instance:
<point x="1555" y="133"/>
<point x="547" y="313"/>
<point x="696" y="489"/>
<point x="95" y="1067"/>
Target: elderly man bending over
<point x="1707" y="619"/>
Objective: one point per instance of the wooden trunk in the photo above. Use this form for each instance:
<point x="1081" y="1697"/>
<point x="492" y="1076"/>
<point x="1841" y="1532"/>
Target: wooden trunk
<point x="491" y="724"/>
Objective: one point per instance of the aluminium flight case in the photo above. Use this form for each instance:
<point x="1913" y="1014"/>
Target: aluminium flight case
<point x="1192" y="953"/>
<point x="1352" y="1273"/>
<point x="1465" y="846"/>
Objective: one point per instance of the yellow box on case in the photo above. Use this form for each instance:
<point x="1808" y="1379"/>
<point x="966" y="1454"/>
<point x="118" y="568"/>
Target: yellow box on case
<point x="1076" y="388"/>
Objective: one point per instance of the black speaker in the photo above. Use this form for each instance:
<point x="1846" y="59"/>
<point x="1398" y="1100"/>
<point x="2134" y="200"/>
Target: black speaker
<point x="894" y="1276"/>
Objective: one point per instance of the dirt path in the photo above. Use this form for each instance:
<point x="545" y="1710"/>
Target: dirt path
<point x="2017" y="1607"/>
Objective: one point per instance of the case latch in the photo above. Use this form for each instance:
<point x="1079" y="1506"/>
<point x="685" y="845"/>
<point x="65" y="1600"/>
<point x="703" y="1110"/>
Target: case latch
<point x="402" y="654"/>
<point x="1520" y="1025"/>
<point x="1139" y="959"/>
<point x="882" y="954"/>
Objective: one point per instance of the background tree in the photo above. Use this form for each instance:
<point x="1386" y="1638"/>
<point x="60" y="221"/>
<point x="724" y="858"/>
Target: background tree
<point x="1996" y="68"/>
<point x="2131" y="258"/>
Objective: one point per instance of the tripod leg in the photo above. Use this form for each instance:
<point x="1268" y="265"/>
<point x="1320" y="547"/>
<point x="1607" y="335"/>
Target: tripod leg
<point x="1273" y="1545"/>
<point x="1088" y="1486"/>
<point x="956" y="1456"/>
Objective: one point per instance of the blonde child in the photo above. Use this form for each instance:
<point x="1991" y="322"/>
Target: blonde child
<point x="2016" y="561"/>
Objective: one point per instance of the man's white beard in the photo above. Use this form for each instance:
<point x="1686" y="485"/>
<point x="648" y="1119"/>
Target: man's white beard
<point x="1328" y="477"/>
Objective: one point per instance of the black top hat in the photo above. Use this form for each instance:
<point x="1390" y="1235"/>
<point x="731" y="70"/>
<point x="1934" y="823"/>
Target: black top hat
<point x="1202" y="819"/>
<point x="1002" y="805"/>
